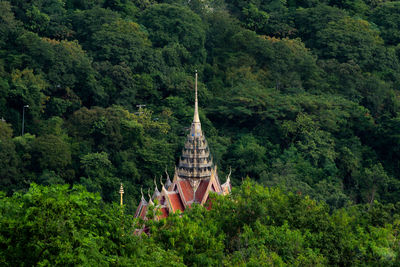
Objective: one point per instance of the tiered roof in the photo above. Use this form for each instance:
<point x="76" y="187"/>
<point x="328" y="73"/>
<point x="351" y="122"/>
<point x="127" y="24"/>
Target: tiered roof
<point x="195" y="177"/>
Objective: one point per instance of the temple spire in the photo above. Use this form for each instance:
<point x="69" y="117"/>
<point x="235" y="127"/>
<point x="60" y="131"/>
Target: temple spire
<point x="196" y="105"/>
<point x="195" y="130"/>
<point x="195" y="162"/>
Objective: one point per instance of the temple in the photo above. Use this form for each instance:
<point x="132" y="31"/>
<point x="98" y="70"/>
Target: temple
<point x="195" y="177"/>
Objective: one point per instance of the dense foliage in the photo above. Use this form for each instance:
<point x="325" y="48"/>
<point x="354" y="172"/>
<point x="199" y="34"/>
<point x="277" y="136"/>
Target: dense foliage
<point x="58" y="226"/>
<point x="255" y="226"/>
<point x="299" y="95"/>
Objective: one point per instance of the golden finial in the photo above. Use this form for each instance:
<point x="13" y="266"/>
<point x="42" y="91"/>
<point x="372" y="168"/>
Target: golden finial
<point x="229" y="175"/>
<point x="121" y="192"/>
<point x="166" y="172"/>
<point x="150" y="200"/>
<point x="168" y="182"/>
<point x="196" y="105"/>
<point x="155" y="183"/>
<point x="161" y="182"/>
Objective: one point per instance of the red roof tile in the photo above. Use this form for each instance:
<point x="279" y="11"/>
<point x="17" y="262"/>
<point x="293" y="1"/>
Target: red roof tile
<point x="164" y="212"/>
<point x="139" y="208"/>
<point x="201" y="190"/>
<point x="187" y="190"/>
<point x="143" y="212"/>
<point x="176" y="202"/>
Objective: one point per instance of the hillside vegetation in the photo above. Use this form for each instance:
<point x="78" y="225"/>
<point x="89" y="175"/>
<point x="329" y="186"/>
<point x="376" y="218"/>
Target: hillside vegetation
<point x="301" y="96"/>
<point x="255" y="226"/>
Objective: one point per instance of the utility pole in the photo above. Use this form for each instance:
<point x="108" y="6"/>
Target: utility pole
<point x="140" y="106"/>
<point x="23" y="117"/>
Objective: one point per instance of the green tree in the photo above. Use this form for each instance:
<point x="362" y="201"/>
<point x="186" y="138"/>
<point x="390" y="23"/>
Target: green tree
<point x="193" y="236"/>
<point x="51" y="152"/>
<point x="121" y="41"/>
<point x="247" y="157"/>
<point x="309" y="21"/>
<point x="9" y="159"/>
<point x="255" y="19"/>
<point x="170" y="24"/>
<point x="8" y="23"/>
<point x="386" y="16"/>
<point x="295" y="230"/>
<point x="317" y="144"/>
<point x="99" y="172"/>
<point x="374" y="180"/>
<point x="27" y="89"/>
<point x="58" y="225"/>
<point x="87" y="21"/>
<point x="350" y="39"/>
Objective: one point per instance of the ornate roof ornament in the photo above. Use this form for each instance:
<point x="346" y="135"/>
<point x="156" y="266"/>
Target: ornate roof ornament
<point x="142" y="200"/>
<point x="163" y="187"/>
<point x="150" y="200"/>
<point x="168" y="182"/>
<point x="161" y="182"/>
<point x="156" y="192"/>
<point x="228" y="179"/>
<point x="155" y="184"/>
<point x="141" y="191"/>
<point x="226" y="187"/>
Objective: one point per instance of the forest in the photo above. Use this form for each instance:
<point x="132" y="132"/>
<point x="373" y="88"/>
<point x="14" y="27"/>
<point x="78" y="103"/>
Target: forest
<point x="299" y="98"/>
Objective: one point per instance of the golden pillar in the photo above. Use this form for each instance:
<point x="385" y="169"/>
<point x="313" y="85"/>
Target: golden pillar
<point x="121" y="192"/>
